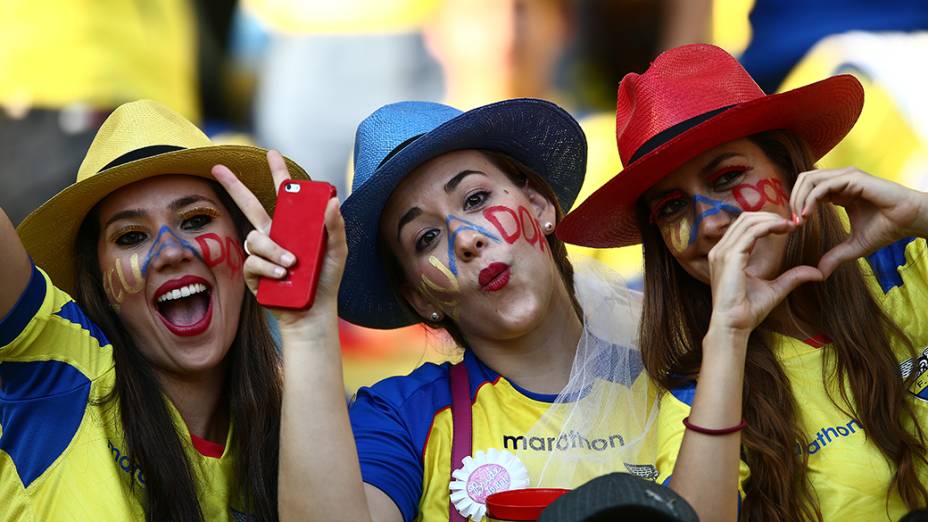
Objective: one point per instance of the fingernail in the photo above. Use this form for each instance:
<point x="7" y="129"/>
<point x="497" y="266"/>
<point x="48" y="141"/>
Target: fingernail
<point x="795" y="218"/>
<point x="287" y="259"/>
<point x="279" y="272"/>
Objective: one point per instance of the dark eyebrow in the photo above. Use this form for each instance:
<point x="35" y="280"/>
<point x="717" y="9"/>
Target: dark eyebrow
<point x="180" y="203"/>
<point x="705" y="171"/>
<point x="711" y="166"/>
<point x="175" y="205"/>
<point x="124" y="214"/>
<point x="410" y="215"/>
<point x="453" y="182"/>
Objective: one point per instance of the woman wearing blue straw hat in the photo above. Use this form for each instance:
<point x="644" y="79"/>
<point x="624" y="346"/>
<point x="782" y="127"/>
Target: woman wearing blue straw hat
<point x="139" y="379"/>
<point x="451" y="223"/>
<point x="792" y="348"/>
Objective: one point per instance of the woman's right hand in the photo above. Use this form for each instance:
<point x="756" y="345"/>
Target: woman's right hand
<point x="740" y="300"/>
<point x="270" y="260"/>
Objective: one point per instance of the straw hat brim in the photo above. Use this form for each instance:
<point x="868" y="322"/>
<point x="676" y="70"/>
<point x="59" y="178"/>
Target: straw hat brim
<point x="50" y="231"/>
<point x="821" y="114"/>
<point x="536" y="133"/>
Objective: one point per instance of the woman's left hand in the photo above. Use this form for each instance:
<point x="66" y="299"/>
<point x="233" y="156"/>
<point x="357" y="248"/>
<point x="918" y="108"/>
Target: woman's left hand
<point x="880" y="211"/>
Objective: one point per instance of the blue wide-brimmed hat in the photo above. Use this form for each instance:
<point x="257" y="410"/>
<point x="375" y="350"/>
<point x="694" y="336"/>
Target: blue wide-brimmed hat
<point x="397" y="138"/>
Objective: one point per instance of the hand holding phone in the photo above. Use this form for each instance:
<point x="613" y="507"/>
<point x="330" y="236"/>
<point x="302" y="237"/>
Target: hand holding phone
<point x="299" y="227"/>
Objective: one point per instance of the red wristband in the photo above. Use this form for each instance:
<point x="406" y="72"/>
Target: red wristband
<point x="709" y="431"/>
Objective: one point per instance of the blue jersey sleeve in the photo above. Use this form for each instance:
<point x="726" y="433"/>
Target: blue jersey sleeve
<point x="391" y="422"/>
<point x="389" y="458"/>
<point x="46" y="325"/>
<point x="50" y="353"/>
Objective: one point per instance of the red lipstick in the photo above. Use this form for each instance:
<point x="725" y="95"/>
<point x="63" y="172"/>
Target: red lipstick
<point x="186" y="330"/>
<point x="494" y="277"/>
<point x="181" y="282"/>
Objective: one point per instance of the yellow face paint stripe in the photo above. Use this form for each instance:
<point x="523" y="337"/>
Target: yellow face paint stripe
<point x="679" y="236"/>
<point x="136" y="272"/>
<point x="452" y="280"/>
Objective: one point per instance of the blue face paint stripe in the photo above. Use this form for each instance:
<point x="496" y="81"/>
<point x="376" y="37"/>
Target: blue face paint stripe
<point x="453" y="236"/>
<point x="157" y="246"/>
<point x="717" y="206"/>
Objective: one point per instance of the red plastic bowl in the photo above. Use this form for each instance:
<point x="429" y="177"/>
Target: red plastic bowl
<point x="521" y="504"/>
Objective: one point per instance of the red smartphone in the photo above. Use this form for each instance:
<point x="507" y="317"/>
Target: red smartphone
<point x="299" y="227"/>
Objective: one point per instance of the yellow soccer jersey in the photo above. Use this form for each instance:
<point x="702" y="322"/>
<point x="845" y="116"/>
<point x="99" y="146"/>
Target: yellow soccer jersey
<point x="61" y="453"/>
<point x="849" y="475"/>
<point x="403" y="432"/>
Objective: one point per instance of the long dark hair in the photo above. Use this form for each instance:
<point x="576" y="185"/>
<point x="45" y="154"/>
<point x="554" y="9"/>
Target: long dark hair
<point x="677" y="310"/>
<point x="522" y="176"/>
<point x="252" y="389"/>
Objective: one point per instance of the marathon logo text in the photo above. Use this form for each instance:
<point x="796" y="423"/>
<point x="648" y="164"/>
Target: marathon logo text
<point x="564" y="442"/>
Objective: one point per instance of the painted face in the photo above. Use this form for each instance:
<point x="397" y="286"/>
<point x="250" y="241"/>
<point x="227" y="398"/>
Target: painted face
<point x="694" y="205"/>
<point x="172" y="268"/>
<point x="471" y="245"/>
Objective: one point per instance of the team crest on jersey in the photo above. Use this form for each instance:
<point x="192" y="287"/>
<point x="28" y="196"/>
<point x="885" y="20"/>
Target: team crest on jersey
<point x="645" y="471"/>
<point x="919" y="367"/>
<point x="482" y="475"/>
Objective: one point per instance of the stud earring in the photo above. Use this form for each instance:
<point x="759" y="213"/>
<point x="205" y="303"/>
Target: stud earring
<point x="548" y="226"/>
<point x="435" y="317"/>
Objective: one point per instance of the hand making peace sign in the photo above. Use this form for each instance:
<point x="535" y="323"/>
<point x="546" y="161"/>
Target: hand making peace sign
<point x="268" y="259"/>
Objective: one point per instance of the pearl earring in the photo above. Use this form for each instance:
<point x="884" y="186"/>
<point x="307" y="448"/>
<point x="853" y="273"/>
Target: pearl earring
<point x="548" y="226"/>
<point x="435" y="317"/>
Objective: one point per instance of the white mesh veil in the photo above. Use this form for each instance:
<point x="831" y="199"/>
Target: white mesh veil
<point x="604" y="419"/>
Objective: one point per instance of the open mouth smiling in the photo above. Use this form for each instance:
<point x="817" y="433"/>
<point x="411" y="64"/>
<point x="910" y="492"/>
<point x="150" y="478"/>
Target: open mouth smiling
<point x="185" y="305"/>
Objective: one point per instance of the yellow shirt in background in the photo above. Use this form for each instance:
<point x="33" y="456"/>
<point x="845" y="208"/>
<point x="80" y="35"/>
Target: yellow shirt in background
<point x="54" y="53"/>
<point x="603" y="164"/>
<point x="341" y="17"/>
<point x="891" y="137"/>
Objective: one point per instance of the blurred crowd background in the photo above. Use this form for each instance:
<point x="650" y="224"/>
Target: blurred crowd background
<point x="299" y="75"/>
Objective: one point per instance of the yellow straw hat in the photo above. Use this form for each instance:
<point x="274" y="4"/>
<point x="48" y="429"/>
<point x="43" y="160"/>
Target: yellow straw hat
<point x="138" y="140"/>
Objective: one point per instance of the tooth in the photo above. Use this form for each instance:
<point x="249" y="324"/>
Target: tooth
<point x="185" y="291"/>
<point x="175" y="294"/>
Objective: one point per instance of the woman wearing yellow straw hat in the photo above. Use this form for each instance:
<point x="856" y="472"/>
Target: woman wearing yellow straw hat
<point x="787" y="344"/>
<point x="139" y="379"/>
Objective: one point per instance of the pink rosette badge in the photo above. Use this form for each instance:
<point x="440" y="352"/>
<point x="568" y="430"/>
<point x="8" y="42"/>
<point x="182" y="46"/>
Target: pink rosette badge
<point x="482" y="475"/>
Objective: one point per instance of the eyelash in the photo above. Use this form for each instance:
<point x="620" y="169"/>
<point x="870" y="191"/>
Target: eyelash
<point x="484" y="195"/>
<point x="422" y="242"/>
<point x="737" y="170"/>
<point x="663" y="203"/>
<point x="209" y="212"/>
<point x="713" y="180"/>
<point x="120" y="235"/>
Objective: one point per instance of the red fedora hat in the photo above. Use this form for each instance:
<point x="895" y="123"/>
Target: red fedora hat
<point x="691" y="99"/>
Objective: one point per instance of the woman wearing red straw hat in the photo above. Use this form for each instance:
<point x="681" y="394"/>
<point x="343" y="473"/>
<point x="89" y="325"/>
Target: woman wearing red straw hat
<point x="795" y="391"/>
<point x="154" y="393"/>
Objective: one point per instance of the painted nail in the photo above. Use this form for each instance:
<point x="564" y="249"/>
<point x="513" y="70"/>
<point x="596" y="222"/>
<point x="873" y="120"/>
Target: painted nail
<point x="287" y="259"/>
<point x="279" y="272"/>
